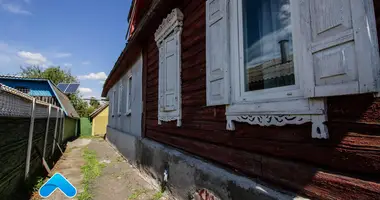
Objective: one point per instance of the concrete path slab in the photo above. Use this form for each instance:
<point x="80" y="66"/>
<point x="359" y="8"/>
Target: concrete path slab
<point x="118" y="180"/>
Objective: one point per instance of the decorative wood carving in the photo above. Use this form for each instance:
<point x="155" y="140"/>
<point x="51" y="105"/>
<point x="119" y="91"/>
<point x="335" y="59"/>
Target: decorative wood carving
<point x="319" y="129"/>
<point x="173" y="21"/>
<point x="168" y="39"/>
<point x="168" y="119"/>
<point x="268" y="120"/>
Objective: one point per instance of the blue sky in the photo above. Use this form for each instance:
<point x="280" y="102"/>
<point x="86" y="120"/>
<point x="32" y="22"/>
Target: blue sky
<point x="85" y="36"/>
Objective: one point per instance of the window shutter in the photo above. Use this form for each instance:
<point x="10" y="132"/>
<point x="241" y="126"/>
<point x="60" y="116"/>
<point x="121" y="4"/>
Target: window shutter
<point x="217" y="52"/>
<point x="161" y="79"/>
<point x="336" y="46"/>
<point x="170" y="74"/>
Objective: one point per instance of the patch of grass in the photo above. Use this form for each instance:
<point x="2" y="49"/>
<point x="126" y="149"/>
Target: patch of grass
<point x="38" y="184"/>
<point x="91" y="170"/>
<point x="158" y="195"/>
<point x="136" y="194"/>
<point x="119" y="159"/>
<point x="87" y="137"/>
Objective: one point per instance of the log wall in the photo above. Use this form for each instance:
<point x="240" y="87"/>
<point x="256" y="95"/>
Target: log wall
<point x="346" y="166"/>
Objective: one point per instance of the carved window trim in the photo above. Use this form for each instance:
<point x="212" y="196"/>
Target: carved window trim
<point x="128" y="94"/>
<point x="281" y="113"/>
<point x="279" y="106"/>
<point x="171" y="27"/>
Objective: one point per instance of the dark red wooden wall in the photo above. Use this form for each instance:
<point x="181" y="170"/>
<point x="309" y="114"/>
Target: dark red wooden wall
<point x="346" y="166"/>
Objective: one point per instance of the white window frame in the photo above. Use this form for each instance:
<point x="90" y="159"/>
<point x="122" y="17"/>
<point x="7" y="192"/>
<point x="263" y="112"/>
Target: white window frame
<point x="129" y="85"/>
<point x="113" y="102"/>
<point x="274" y="106"/>
<point x="299" y="103"/>
<point x="270" y="94"/>
<point x="170" y="29"/>
<point x="120" y="98"/>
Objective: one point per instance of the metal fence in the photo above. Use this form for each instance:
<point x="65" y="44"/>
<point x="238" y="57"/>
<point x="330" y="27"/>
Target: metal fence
<point x="31" y="133"/>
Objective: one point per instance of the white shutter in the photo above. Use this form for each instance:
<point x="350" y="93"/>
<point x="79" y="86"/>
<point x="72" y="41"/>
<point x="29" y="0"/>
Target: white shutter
<point x="170" y="73"/>
<point x="161" y="78"/>
<point x="217" y="52"/>
<point x="336" y="46"/>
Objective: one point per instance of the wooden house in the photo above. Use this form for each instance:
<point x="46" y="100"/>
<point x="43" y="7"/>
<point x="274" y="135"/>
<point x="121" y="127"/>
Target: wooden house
<point x="99" y="120"/>
<point x="267" y="99"/>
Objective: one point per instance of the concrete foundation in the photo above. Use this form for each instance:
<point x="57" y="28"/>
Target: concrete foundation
<point x="188" y="175"/>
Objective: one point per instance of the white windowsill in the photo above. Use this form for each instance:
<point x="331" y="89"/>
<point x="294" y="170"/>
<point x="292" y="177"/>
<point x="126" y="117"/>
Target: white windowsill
<point x="280" y="113"/>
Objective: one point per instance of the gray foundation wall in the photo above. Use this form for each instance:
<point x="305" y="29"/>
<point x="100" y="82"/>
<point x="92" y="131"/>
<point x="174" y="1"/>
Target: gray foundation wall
<point x="188" y="174"/>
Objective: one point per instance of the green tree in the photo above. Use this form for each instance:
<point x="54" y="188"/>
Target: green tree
<point x="79" y="104"/>
<point x="54" y="74"/>
<point x="90" y="109"/>
<point x="58" y="75"/>
<point x="94" y="103"/>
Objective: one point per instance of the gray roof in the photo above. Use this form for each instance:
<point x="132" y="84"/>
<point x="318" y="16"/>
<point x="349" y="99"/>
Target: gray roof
<point x="99" y="110"/>
<point x="63" y="100"/>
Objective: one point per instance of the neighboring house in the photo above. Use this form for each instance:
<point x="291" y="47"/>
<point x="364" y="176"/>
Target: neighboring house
<point x="251" y="99"/>
<point x="99" y="119"/>
<point x="45" y="90"/>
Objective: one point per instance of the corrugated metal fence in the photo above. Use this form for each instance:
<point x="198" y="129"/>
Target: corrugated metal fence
<point x="31" y="136"/>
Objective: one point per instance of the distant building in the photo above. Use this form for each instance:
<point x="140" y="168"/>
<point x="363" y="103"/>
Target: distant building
<point x="99" y="119"/>
<point x="45" y="90"/>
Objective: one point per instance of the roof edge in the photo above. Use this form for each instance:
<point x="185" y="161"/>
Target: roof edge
<point x="131" y="42"/>
<point x="59" y="101"/>
<point x="99" y="110"/>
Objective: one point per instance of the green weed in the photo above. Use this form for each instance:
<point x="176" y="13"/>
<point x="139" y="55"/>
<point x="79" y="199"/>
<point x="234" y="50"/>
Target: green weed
<point x="38" y="184"/>
<point x="158" y="195"/>
<point x="136" y="194"/>
<point x="91" y="170"/>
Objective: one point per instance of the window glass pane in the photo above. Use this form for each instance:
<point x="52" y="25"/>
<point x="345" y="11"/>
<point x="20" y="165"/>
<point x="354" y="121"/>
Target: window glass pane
<point x="268" y="49"/>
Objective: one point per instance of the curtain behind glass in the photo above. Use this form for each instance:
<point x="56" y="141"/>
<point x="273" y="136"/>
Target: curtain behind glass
<point x="267" y="44"/>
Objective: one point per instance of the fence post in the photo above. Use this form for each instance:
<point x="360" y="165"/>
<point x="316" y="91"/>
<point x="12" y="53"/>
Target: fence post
<point x="63" y="126"/>
<point x="47" y="131"/>
<point x="59" y="139"/>
<point x="55" y="130"/>
<point x="76" y="128"/>
<point x="30" y="139"/>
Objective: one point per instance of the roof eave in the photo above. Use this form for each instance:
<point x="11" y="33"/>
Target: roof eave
<point x="131" y="42"/>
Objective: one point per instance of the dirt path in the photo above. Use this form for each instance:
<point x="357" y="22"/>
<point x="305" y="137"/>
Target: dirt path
<point x="117" y="180"/>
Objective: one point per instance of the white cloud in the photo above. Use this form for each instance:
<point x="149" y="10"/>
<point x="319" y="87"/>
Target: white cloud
<point x="11" y="58"/>
<point x="32" y="58"/>
<point x="9" y="61"/>
<point x="102" y="82"/>
<point x="67" y="64"/>
<point x="85" y="90"/>
<point x="86" y="62"/>
<point x="62" y="55"/>
<point x="94" y="76"/>
<point x="15" y="9"/>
